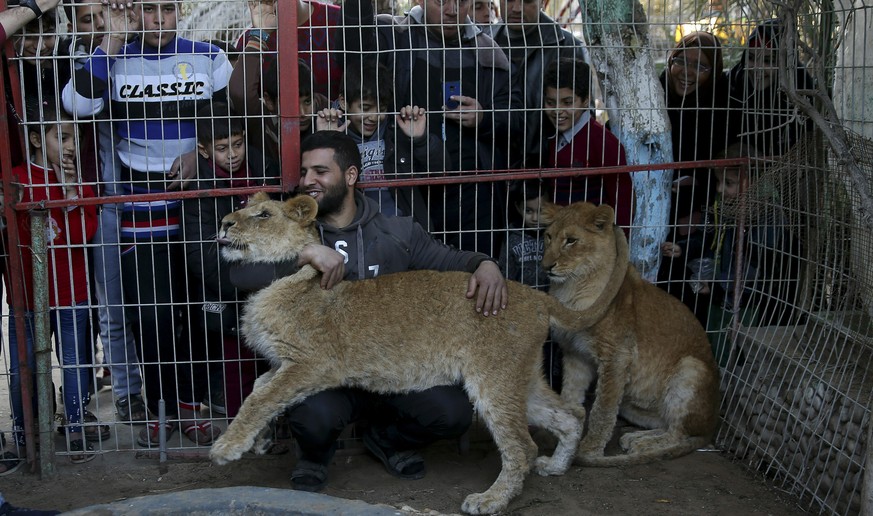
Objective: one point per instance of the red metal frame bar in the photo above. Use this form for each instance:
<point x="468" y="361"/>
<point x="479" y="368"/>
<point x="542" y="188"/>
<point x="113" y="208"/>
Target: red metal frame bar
<point x="289" y="103"/>
<point x="13" y="243"/>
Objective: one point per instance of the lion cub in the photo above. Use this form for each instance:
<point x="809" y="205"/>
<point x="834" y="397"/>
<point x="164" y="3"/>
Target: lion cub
<point x="653" y="361"/>
<point x="395" y="333"/>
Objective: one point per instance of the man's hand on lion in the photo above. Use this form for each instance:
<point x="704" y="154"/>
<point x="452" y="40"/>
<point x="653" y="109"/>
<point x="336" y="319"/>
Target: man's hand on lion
<point x="493" y="294"/>
<point x="325" y="260"/>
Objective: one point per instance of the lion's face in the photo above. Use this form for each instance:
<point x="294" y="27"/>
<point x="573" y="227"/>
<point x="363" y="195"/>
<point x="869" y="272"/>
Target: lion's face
<point x="579" y="240"/>
<point x="268" y="231"/>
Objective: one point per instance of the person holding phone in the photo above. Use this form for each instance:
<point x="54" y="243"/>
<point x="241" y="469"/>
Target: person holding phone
<point x="462" y="80"/>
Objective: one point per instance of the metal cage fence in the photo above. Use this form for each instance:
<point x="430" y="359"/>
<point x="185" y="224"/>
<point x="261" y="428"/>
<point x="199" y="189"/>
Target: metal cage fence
<point x="792" y="349"/>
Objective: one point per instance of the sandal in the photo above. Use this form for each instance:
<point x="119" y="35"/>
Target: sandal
<point x="201" y="434"/>
<point x="94" y="431"/>
<point x="407" y="464"/>
<point x="309" y="476"/>
<point x="150" y="435"/>
<point x="9" y="463"/>
<point x="82" y="450"/>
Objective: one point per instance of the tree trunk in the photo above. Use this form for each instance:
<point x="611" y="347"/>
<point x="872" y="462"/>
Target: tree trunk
<point x="617" y="34"/>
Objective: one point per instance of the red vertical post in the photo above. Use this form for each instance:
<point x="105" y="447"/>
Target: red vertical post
<point x="289" y="103"/>
<point x="13" y="266"/>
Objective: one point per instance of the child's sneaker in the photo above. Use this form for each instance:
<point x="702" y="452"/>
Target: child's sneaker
<point x="94" y="431"/>
<point x="131" y="408"/>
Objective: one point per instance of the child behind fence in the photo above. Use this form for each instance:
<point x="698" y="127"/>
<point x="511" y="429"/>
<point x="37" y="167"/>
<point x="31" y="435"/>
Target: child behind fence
<point x="392" y="147"/>
<point x="522" y="253"/>
<point x="745" y="209"/>
<point x="224" y="162"/>
<point x="52" y="176"/>
<point x="579" y="141"/>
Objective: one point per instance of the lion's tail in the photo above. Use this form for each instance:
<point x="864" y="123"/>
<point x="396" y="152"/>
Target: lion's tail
<point x="678" y="449"/>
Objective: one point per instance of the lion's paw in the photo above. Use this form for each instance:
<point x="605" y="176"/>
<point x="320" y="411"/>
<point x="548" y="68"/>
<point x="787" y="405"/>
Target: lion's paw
<point x="484" y="503"/>
<point x="262" y="444"/>
<point x="546" y="466"/>
<point x="627" y="442"/>
<point x="223" y="451"/>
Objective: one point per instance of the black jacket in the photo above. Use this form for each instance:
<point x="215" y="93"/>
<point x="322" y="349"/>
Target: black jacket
<point x="767" y="118"/>
<point x="215" y="302"/>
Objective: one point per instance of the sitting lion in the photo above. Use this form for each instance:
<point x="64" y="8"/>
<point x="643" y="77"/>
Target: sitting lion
<point x="398" y="332"/>
<point x="653" y="361"/>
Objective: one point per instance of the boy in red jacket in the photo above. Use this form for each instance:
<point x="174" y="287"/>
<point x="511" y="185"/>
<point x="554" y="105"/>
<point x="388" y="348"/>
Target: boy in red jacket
<point x="579" y="141"/>
<point x="51" y="175"/>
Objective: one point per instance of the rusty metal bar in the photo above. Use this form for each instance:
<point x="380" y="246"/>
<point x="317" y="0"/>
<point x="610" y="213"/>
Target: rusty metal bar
<point x="42" y="342"/>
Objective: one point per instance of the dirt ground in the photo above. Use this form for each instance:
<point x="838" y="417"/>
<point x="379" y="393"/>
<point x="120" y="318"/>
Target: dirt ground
<point x="705" y="482"/>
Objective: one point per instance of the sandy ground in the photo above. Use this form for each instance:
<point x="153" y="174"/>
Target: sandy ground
<point x="705" y="482"/>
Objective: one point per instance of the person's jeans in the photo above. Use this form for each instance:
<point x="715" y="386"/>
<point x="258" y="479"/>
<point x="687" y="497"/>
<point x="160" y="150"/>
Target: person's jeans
<point x="119" y="345"/>
<point x="69" y="326"/>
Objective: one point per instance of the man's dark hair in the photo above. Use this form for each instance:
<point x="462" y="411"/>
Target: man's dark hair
<point x="569" y="73"/>
<point x="368" y="80"/>
<point x="215" y="121"/>
<point x="345" y="150"/>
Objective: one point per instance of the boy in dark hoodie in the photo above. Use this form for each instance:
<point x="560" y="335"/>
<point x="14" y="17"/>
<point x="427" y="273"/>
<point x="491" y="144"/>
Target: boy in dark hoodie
<point x="522" y="254"/>
<point x="223" y="162"/>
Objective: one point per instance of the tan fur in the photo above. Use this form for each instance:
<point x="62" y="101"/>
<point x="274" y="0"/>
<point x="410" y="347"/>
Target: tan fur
<point x="398" y="332"/>
<point x="651" y="355"/>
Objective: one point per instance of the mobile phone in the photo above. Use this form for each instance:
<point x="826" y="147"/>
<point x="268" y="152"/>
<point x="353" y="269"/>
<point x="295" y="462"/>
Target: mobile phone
<point x="451" y="89"/>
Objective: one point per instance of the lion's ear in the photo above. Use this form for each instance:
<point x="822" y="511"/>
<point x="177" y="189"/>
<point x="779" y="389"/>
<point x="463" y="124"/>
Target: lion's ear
<point x="604" y="217"/>
<point x="258" y="198"/>
<point x="548" y="213"/>
<point x="302" y="208"/>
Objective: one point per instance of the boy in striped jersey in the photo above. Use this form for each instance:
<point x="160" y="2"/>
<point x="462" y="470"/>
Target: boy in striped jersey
<point x="151" y="82"/>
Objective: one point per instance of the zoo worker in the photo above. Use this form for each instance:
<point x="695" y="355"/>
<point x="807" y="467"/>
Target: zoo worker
<point x="359" y="242"/>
